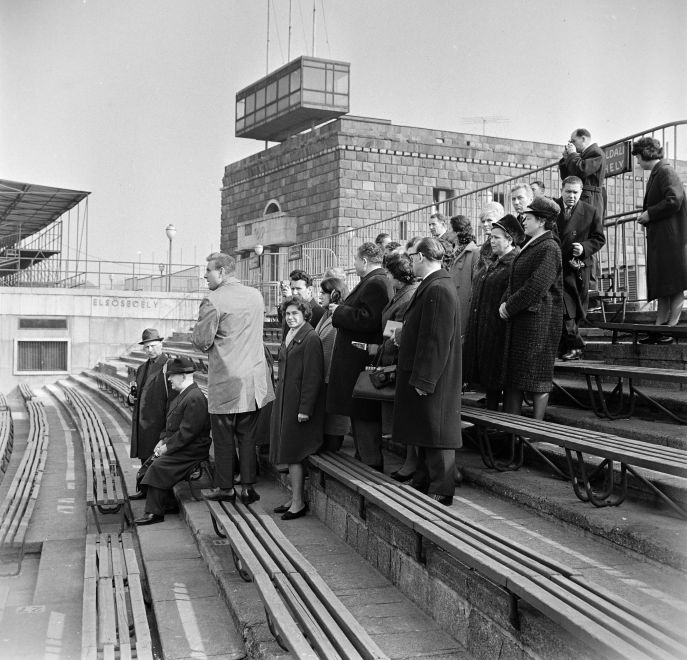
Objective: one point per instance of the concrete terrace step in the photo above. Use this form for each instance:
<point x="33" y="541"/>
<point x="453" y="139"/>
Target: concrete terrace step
<point x="398" y="626"/>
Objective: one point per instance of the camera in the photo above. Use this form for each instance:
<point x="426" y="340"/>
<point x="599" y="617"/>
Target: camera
<point x="133" y="390"/>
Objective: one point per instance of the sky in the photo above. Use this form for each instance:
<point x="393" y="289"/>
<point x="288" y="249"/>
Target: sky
<point x="133" y="100"/>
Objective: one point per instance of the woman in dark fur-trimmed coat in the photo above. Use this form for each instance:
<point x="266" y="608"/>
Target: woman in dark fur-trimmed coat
<point x="534" y="310"/>
<point x="486" y="333"/>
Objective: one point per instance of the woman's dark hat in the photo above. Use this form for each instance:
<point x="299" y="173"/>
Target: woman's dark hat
<point x="180" y="365"/>
<point x="543" y="208"/>
<point x="150" y="334"/>
<point x="509" y="223"/>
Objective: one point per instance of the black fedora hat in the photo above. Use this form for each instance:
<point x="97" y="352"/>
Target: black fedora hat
<point x="150" y="334"/>
<point x="180" y="365"/>
<point x="509" y="223"/>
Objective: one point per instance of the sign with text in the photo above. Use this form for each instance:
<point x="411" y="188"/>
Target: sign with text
<point x="618" y="158"/>
<point x="295" y="252"/>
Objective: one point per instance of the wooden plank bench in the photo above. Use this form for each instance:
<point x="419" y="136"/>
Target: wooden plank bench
<point x="629" y="453"/>
<point x="602" y="620"/>
<point x="115" y="386"/>
<point x="199" y="359"/>
<point x="6" y="435"/>
<point x="304" y="615"/>
<point x="594" y="372"/>
<point x="114" y="620"/>
<point x="635" y="329"/>
<point x="105" y="490"/>
<point x="22" y="495"/>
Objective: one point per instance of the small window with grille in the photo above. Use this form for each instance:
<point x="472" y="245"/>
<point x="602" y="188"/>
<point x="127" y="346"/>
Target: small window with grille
<point x="41" y="356"/>
<point x="42" y="323"/>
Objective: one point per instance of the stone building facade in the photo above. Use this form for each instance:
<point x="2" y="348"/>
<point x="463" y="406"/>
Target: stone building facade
<point x="355" y="171"/>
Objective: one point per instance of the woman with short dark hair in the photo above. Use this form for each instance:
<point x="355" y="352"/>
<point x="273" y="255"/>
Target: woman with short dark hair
<point x="533" y="309"/>
<point x="664" y="217"/>
<point x="298" y="409"/>
<point x="404" y="283"/>
<point x="462" y="267"/>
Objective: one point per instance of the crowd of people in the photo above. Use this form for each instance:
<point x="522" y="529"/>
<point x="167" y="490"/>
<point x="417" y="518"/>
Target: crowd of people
<point x="426" y="318"/>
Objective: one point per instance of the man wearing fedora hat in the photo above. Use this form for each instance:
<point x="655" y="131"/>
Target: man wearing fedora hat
<point x="149" y="395"/>
<point x="184" y="442"/>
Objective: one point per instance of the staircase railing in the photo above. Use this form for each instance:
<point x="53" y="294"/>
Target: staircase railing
<point x="622" y="259"/>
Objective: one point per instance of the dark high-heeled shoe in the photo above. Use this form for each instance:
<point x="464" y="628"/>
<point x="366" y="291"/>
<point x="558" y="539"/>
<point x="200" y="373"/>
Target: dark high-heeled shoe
<point x="282" y="508"/>
<point x="249" y="495"/>
<point x="397" y="476"/>
<point x="296" y="514"/>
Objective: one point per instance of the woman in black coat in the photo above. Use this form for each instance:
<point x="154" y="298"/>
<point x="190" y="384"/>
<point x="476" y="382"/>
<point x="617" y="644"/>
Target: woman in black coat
<point x="486" y="333"/>
<point x="297" y="423"/>
<point x="534" y="311"/>
<point x="665" y="219"/>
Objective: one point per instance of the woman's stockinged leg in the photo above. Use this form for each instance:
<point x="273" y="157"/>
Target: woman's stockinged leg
<point x="297" y="476"/>
<point x="676" y="302"/>
<point x="539" y="402"/>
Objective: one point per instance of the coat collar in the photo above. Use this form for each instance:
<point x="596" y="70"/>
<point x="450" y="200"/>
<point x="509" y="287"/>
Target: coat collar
<point x="432" y="277"/>
<point x="303" y="331"/>
<point x="181" y="396"/>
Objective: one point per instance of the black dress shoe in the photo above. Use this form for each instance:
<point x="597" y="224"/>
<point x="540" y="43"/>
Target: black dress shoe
<point x="446" y="500"/>
<point x="297" y="514"/>
<point x="651" y="338"/>
<point x="149" y="519"/>
<point x="665" y="339"/>
<point x="397" y="476"/>
<point x="248" y="496"/>
<point x="137" y="496"/>
<point x="172" y="508"/>
<point x="572" y="354"/>
<point x="218" y="494"/>
<point x="282" y="508"/>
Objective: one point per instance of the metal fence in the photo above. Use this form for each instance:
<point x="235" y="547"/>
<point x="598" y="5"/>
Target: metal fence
<point x="622" y="259"/>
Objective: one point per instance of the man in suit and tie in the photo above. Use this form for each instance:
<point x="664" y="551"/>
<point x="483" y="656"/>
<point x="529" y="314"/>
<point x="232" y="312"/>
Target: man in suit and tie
<point x="580" y="230"/>
<point x="149" y="395"/>
<point x="184" y="442"/>
<point x="521" y="197"/>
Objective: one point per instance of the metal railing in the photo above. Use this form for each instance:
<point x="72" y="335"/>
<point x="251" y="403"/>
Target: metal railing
<point x="622" y="259"/>
<point x="58" y="272"/>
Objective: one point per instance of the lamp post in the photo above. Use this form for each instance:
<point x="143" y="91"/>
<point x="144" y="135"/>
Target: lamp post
<point x="171" y="231"/>
<point x="259" y="249"/>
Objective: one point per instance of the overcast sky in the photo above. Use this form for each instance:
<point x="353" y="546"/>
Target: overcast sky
<point x="133" y="100"/>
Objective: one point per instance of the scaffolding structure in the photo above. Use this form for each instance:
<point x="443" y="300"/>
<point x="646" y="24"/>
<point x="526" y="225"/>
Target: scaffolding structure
<point x="40" y="227"/>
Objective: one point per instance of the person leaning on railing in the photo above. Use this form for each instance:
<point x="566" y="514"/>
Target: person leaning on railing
<point x="664" y="217"/>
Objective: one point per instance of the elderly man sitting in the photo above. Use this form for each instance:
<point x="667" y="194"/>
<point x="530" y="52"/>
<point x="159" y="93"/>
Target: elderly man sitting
<point x="184" y="442"/>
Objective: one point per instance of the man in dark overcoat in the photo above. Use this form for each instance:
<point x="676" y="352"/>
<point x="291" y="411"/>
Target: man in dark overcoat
<point x="149" y="397"/>
<point x="581" y="233"/>
<point x="586" y="160"/>
<point x="184" y="442"/>
<point x="359" y="319"/>
<point x="429" y="379"/>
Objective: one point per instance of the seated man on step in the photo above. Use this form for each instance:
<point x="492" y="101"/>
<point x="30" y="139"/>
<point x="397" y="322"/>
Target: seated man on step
<point x="184" y="442"/>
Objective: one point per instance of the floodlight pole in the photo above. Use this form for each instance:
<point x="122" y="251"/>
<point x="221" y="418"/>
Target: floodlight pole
<point x="171" y="231"/>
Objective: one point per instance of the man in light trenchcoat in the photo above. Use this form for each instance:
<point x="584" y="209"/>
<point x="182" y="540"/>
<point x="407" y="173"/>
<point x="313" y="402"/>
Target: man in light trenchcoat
<point x="229" y="330"/>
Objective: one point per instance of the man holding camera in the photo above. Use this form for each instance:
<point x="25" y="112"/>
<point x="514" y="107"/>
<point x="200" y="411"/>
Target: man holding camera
<point x="581" y="233"/>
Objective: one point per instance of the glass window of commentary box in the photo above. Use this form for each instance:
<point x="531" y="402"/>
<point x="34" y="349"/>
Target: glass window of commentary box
<point x="300" y="84"/>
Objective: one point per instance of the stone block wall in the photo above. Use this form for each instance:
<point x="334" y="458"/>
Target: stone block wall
<point x="465" y="603"/>
<point x="355" y="171"/>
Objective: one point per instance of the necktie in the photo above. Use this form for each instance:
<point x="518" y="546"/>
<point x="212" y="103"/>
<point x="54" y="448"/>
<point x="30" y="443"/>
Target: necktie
<point x="568" y="212"/>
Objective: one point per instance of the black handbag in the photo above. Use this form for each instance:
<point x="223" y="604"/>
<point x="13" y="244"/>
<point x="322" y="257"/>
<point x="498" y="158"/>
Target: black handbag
<point x="383" y="376"/>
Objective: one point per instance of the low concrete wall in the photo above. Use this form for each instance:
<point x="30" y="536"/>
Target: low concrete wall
<point x="100" y="324"/>
<point x="474" y="610"/>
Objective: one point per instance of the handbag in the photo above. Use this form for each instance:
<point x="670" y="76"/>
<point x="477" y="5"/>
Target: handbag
<point x="364" y="388"/>
<point x="383" y="376"/>
<point x="142" y="473"/>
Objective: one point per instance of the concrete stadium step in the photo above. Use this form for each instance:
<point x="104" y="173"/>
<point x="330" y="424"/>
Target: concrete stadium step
<point x="398" y="626"/>
<point x="192" y="620"/>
